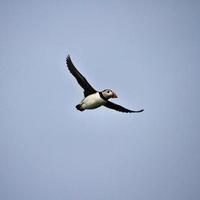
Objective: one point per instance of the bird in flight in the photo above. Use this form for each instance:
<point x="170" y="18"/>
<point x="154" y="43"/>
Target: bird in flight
<point x="93" y="98"/>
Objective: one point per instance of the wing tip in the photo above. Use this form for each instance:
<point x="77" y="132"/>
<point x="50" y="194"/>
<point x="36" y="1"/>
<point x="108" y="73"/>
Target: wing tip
<point x="138" y="111"/>
<point x="68" y="59"/>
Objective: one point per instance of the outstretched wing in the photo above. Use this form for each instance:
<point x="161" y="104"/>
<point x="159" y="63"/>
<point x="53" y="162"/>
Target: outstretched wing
<point x="119" y="108"/>
<point x="88" y="89"/>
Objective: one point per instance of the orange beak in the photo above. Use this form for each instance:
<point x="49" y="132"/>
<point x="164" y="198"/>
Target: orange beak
<point x="114" y="95"/>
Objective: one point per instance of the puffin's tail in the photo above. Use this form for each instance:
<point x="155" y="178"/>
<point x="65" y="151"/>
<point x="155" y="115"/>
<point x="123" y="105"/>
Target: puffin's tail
<point x="78" y="107"/>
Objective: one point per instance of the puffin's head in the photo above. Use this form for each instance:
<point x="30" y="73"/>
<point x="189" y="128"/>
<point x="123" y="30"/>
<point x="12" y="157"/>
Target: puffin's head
<point x="109" y="94"/>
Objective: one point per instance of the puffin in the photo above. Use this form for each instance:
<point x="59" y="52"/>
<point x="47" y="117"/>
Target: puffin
<point x="93" y="98"/>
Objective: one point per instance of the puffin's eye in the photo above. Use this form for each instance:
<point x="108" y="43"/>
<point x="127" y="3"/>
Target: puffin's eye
<point x="108" y="91"/>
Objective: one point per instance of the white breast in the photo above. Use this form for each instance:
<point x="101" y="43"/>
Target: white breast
<point x="92" y="101"/>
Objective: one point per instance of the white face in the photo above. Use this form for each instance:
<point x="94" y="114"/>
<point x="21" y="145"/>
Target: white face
<point x="109" y="94"/>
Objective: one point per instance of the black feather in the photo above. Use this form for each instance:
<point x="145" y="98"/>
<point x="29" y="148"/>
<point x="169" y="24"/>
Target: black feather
<point x="119" y="108"/>
<point x="88" y="89"/>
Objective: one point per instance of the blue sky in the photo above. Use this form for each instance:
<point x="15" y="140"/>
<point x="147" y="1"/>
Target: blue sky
<point x="147" y="52"/>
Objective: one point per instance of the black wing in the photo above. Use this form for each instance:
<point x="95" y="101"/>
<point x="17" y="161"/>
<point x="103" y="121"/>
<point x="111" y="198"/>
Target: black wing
<point x="119" y="108"/>
<point x="88" y="89"/>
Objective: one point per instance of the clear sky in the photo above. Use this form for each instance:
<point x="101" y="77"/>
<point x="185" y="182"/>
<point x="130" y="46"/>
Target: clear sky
<point x="147" y="52"/>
